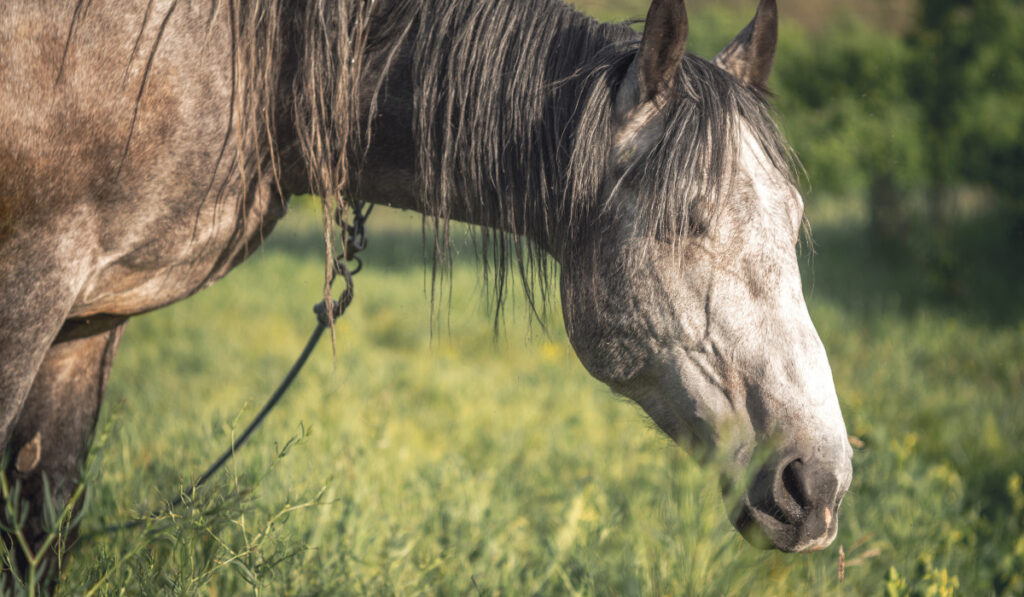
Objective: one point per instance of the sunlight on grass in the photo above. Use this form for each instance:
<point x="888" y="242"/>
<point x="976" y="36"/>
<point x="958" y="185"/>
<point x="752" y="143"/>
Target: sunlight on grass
<point x="434" y="457"/>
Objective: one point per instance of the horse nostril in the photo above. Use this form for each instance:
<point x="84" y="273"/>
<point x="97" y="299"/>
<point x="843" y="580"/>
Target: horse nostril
<point x="793" y="483"/>
<point x="794" y="503"/>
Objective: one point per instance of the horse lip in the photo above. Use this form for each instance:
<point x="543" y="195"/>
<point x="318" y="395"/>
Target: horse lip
<point x="819" y="543"/>
<point x="747" y="521"/>
<point x="766" y="531"/>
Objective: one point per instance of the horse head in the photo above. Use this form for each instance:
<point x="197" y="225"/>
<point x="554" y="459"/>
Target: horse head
<point x="685" y="293"/>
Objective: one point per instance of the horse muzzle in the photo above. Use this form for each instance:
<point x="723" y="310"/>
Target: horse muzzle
<point x="793" y="504"/>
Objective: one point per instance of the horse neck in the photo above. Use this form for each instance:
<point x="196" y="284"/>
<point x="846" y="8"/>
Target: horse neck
<point x="470" y="108"/>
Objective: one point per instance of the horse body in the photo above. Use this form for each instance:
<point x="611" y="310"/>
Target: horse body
<point x="112" y="203"/>
<point x="145" y="150"/>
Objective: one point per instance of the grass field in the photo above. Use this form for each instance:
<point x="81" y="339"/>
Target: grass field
<point x="428" y="456"/>
<point x="437" y="458"/>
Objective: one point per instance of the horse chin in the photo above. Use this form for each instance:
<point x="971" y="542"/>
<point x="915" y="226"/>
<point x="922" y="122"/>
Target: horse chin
<point x="765" y="531"/>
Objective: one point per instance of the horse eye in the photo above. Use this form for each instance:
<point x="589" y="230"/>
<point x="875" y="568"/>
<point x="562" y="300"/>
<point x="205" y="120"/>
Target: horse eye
<point x="691" y="227"/>
<point x="697" y="227"/>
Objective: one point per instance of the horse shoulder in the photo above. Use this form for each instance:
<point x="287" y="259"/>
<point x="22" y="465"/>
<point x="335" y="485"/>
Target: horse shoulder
<point x="115" y="141"/>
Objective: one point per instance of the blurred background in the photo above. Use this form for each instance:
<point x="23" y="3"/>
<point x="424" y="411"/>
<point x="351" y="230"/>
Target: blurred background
<point x="426" y="455"/>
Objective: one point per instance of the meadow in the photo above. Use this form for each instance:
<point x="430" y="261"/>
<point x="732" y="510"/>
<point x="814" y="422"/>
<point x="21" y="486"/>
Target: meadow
<point x="427" y="455"/>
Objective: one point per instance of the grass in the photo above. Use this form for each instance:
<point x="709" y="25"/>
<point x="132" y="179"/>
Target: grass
<point x="459" y="462"/>
<point x="426" y="456"/>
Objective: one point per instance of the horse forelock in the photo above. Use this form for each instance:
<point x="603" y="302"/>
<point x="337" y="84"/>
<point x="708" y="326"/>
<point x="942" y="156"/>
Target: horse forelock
<point x="681" y="179"/>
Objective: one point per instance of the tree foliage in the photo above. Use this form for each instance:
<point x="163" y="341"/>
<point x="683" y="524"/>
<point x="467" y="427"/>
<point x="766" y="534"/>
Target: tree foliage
<point x="847" y="108"/>
<point x="968" y="78"/>
<point x="938" y="107"/>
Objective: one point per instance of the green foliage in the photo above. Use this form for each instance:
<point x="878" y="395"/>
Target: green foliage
<point x="1011" y="566"/>
<point x="937" y="109"/>
<point x="846" y="109"/>
<point x="968" y="76"/>
<point x="927" y="581"/>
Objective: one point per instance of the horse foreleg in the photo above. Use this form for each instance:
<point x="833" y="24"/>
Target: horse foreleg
<point x="52" y="435"/>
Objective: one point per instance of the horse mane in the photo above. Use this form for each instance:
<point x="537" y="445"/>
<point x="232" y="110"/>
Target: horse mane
<point x="501" y="89"/>
<point x="323" y="43"/>
<point x="513" y="120"/>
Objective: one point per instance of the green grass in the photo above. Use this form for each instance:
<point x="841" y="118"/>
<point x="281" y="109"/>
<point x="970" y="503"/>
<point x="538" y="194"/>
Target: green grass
<point x="425" y="455"/>
<point x="438" y="458"/>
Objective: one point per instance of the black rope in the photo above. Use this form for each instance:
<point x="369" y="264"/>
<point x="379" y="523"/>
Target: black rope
<point x="314" y="338"/>
<point x="355" y="242"/>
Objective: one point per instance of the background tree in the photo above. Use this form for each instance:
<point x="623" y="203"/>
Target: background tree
<point x="967" y="74"/>
<point x="848" y="110"/>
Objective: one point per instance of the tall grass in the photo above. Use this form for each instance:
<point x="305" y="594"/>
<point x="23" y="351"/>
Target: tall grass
<point x="424" y="455"/>
<point x="433" y="457"/>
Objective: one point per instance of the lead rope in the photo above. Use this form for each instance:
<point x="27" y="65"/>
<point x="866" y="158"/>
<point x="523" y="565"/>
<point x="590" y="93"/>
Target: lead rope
<point x="355" y="241"/>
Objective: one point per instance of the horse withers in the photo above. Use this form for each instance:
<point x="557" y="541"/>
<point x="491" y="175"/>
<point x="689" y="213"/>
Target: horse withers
<point x="146" y="148"/>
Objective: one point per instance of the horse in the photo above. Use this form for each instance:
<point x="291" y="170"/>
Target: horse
<point x="147" y="148"/>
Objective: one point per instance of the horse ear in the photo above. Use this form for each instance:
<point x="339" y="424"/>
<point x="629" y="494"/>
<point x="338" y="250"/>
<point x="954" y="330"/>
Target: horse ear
<point x="662" y="47"/>
<point x="749" y="57"/>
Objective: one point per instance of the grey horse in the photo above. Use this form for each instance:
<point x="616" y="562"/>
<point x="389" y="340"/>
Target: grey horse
<point x="147" y="147"/>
